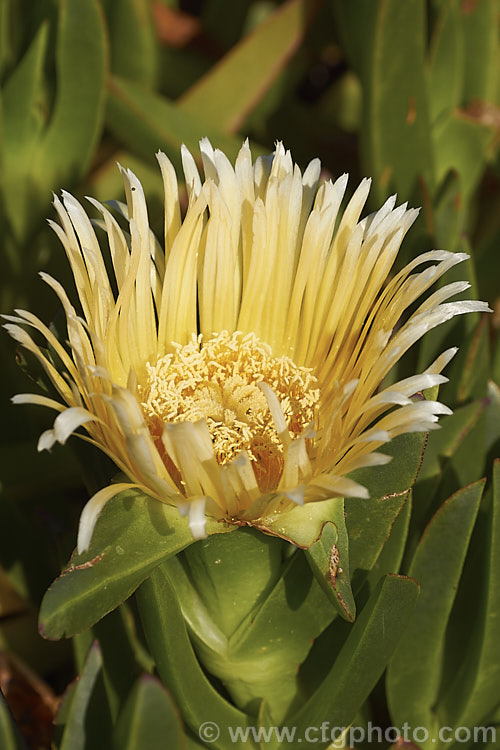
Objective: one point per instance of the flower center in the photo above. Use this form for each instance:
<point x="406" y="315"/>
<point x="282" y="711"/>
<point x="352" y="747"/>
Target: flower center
<point x="218" y="381"/>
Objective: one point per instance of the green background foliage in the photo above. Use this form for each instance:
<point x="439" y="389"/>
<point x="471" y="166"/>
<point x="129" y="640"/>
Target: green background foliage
<point x="405" y="91"/>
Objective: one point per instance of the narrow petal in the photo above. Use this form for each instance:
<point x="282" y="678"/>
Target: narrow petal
<point x="92" y="511"/>
<point x="64" y="425"/>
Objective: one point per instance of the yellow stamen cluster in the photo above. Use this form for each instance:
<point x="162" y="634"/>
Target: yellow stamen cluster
<point x="218" y="381"/>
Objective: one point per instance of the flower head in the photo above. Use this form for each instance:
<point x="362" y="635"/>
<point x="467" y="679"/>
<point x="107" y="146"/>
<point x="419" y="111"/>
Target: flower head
<point x="237" y="372"/>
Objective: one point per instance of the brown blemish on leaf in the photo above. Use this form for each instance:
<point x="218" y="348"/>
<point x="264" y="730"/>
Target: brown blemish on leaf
<point x="333" y="566"/>
<point x="486" y="113"/>
<point x="411" y="114"/>
<point x="344" y="606"/>
<point x="270" y="532"/>
<point x="385" y="176"/>
<point x="468" y="6"/>
<point x="82" y="566"/>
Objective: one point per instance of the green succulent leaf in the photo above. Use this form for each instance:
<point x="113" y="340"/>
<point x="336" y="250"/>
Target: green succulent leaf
<point x="476" y="689"/>
<point x="265" y="720"/>
<point x="205" y="631"/>
<point x="446" y="61"/>
<point x="461" y="142"/>
<point x="329" y="561"/>
<point x="480" y="25"/>
<point x="83" y="711"/>
<point x="77" y="119"/>
<point x="176" y="662"/>
<point x="228" y="93"/>
<point x="442" y="445"/>
<point x="261" y="657"/>
<point x="132" y="40"/>
<point x="233" y="573"/>
<point x="396" y="130"/>
<point x="132" y="536"/>
<point x="149" y="719"/>
<point x="391" y="555"/>
<point x="369" y="522"/>
<point x="268" y="647"/>
<point x="362" y="658"/>
<point x="22" y="127"/>
<point x="122" y="655"/>
<point x="449" y="213"/>
<point x="357" y="37"/>
<point x="5" y="41"/>
<point x="414" y="671"/>
<point x="398" y="475"/>
<point x="302" y="525"/>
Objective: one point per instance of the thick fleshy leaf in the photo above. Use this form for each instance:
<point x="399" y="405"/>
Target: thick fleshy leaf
<point x="369" y="521"/>
<point x="468" y="462"/>
<point x="476" y="689"/>
<point x="5" y="36"/>
<point x="303" y="524"/>
<point x="265" y="720"/>
<point x="122" y="655"/>
<point x="279" y="635"/>
<point x="146" y="122"/>
<point x="461" y="142"/>
<point x="414" y="672"/>
<point x="329" y="561"/>
<point x="132" y="40"/>
<point x="176" y="662"/>
<point x="22" y="125"/>
<point x="369" y="524"/>
<point x="458" y="446"/>
<point x="479" y="24"/>
<point x="76" y="123"/>
<point x="449" y="216"/>
<point x="357" y="37"/>
<point x="391" y="555"/>
<point x="493" y="420"/>
<point x="149" y="719"/>
<point x="362" y="658"/>
<point x="227" y="94"/>
<point x="132" y="536"/>
<point x="474" y="380"/>
<point x="233" y="573"/>
<point x="83" y="711"/>
<point x="399" y="474"/>
<point x="446" y="61"/>
<point x="10" y="736"/>
<point x="262" y="656"/>
<point x="396" y="128"/>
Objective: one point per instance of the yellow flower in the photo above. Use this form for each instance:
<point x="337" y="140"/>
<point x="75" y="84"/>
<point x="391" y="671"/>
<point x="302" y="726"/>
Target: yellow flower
<point x="237" y="372"/>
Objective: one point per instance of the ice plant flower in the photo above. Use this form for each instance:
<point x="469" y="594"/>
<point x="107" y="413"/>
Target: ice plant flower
<point x="237" y="371"/>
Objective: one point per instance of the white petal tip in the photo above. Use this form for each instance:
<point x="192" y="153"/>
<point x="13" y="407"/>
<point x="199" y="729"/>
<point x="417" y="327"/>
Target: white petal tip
<point x="195" y="510"/>
<point x="46" y="441"/>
